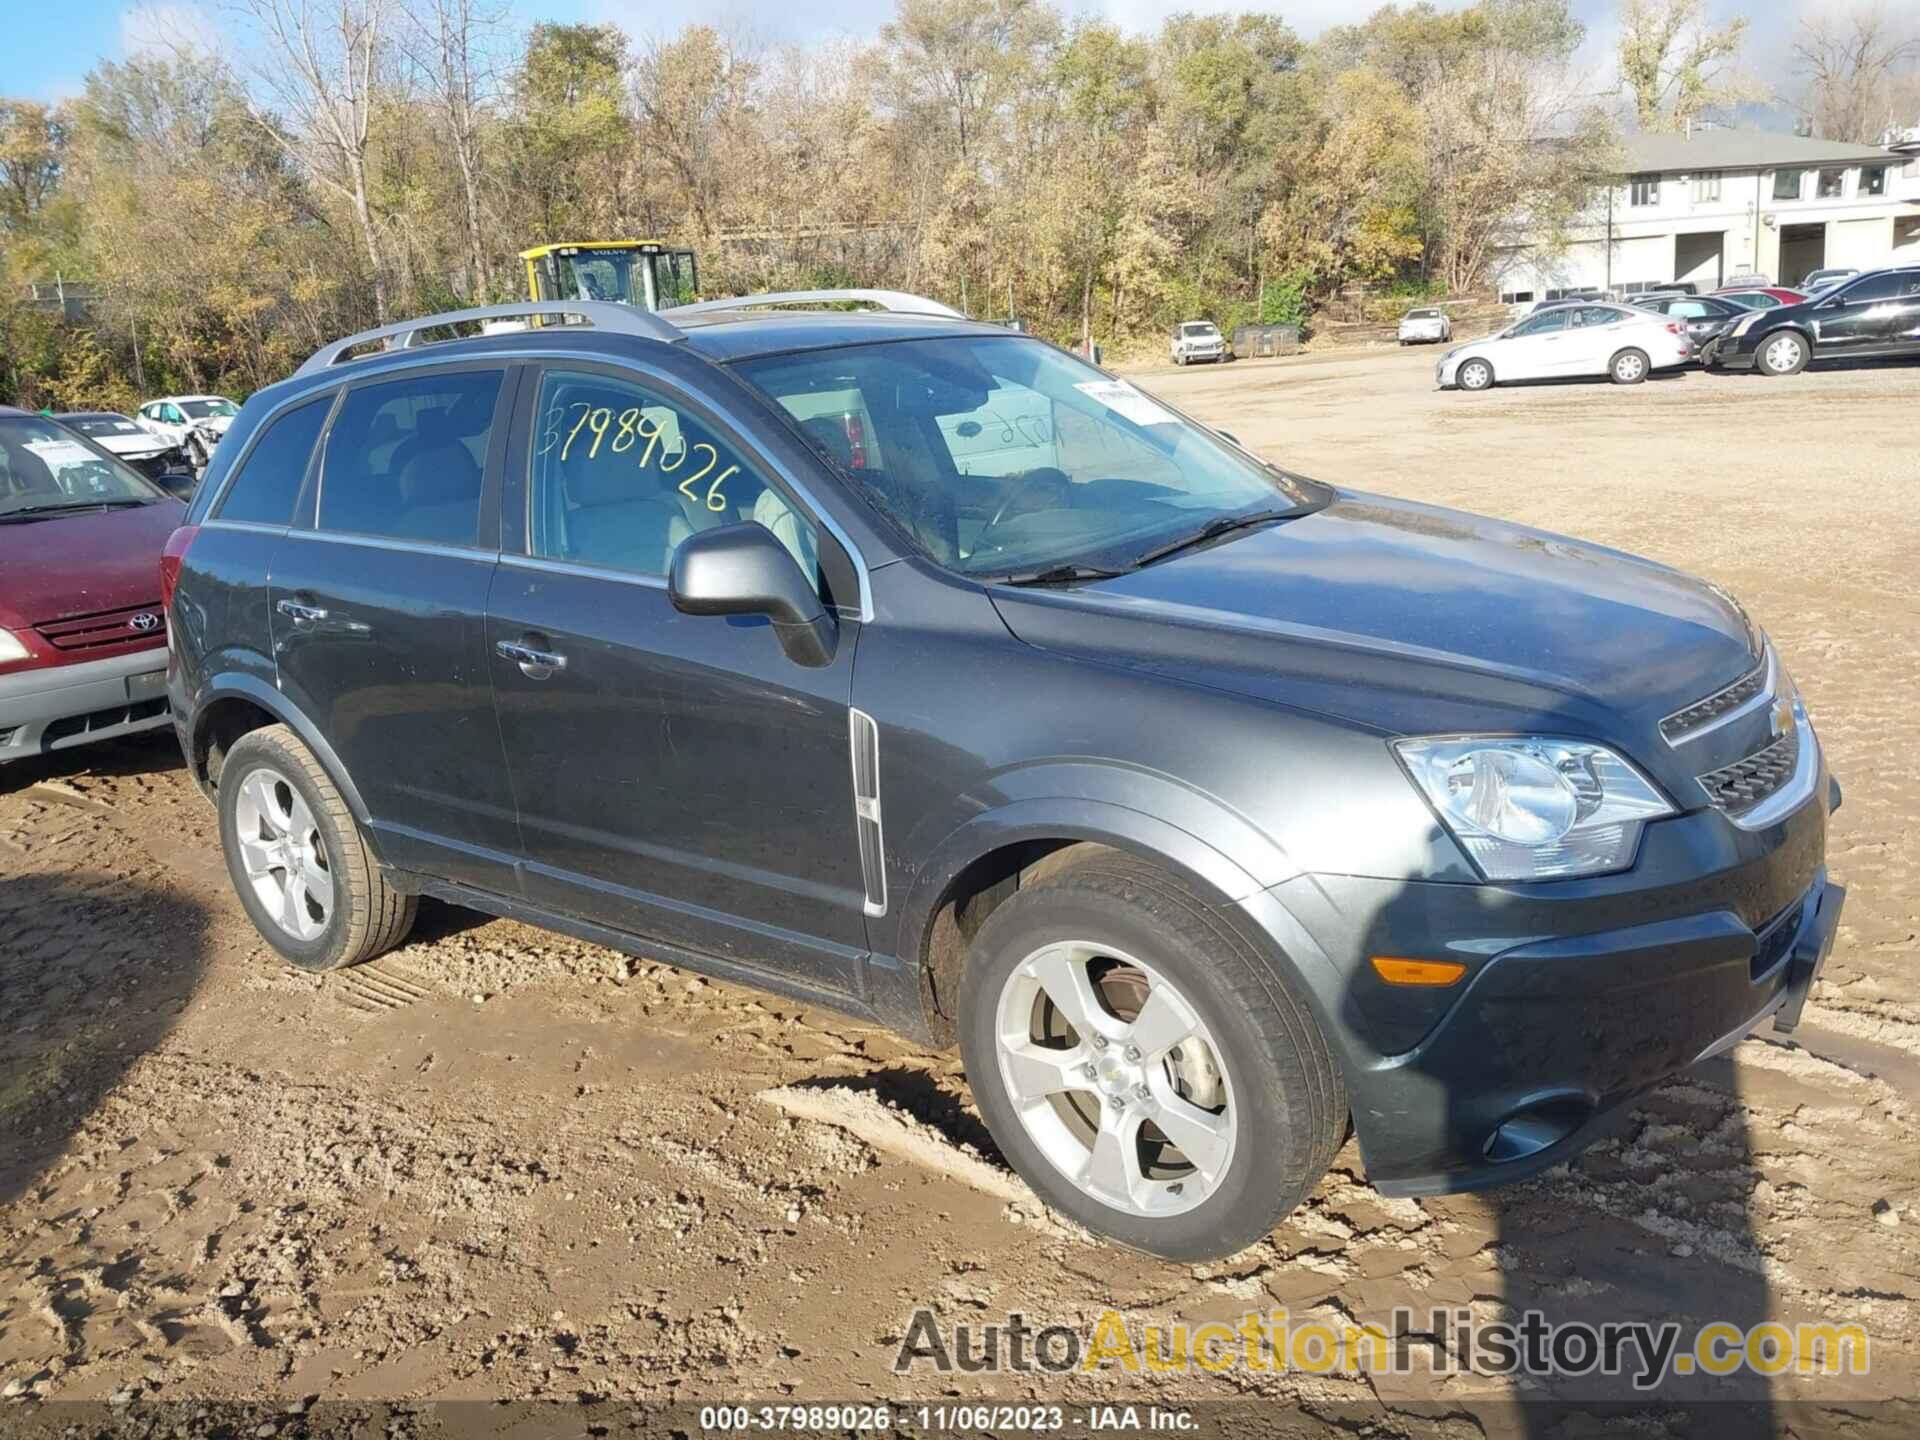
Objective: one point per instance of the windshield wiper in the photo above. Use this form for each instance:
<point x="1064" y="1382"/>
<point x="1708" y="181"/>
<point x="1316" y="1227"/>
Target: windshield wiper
<point x="44" y="512"/>
<point x="1213" y="529"/>
<point x="1057" y="575"/>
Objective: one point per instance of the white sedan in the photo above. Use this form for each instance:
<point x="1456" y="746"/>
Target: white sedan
<point x="1584" y="338"/>
<point x="1427" y="324"/>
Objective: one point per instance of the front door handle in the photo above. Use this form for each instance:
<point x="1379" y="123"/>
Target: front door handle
<point x="534" y="664"/>
<point x="300" y="614"/>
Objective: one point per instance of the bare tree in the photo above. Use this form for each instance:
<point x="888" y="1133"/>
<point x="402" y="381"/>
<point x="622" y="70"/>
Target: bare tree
<point x="1852" y="65"/>
<point x="320" y="63"/>
<point x="453" y="45"/>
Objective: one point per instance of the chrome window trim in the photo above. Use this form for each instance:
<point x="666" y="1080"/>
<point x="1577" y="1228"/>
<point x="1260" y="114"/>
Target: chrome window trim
<point x="1765" y="695"/>
<point x="585" y="572"/>
<point x="817" y="512"/>
<point x="390" y="542"/>
<point x="1798" y="790"/>
<point x="252" y="526"/>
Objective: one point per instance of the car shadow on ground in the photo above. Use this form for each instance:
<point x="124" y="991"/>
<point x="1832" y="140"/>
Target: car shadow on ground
<point x="151" y="752"/>
<point x="95" y="968"/>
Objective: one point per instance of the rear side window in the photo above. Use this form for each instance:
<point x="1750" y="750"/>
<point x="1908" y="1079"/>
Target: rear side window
<point x="405" y="459"/>
<point x="268" y="483"/>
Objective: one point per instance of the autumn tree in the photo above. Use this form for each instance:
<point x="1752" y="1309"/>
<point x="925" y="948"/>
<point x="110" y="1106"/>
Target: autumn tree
<point x="1858" y="70"/>
<point x="1674" y="66"/>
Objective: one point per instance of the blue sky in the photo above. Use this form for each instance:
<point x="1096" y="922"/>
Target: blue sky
<point x="48" y="48"/>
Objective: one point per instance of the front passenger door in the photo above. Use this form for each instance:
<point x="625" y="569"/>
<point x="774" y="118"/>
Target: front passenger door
<point x="1861" y="318"/>
<point x="677" y="776"/>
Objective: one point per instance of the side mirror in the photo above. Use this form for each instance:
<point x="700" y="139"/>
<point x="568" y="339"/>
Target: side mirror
<point x="743" y="570"/>
<point x="178" y="483"/>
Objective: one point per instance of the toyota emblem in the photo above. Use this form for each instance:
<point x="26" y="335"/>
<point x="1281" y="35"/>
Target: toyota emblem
<point x="146" y="620"/>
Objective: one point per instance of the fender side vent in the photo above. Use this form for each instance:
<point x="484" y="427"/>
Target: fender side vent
<point x="865" y="740"/>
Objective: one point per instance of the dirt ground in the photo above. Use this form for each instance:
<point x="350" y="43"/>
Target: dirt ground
<point x="498" y="1163"/>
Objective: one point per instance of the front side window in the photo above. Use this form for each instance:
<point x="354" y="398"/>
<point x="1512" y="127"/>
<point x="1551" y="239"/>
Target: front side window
<point x="621" y="475"/>
<point x="405" y="458"/>
<point x="1871" y="289"/>
<point x="1002" y="456"/>
<point x="1786" y="184"/>
<point x="1873" y="179"/>
<point x="45" y="469"/>
<point x="268" y="482"/>
<point x="1646" y="190"/>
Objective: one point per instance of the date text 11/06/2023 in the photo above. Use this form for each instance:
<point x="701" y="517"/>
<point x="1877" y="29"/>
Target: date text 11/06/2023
<point x="960" y="1416"/>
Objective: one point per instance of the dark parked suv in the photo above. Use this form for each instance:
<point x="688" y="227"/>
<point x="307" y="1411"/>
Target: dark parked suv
<point x="1210" y="810"/>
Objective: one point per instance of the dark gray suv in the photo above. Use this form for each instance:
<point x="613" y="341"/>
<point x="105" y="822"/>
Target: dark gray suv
<point x="916" y="668"/>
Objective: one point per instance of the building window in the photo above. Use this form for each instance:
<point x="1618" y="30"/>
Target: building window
<point x="1786" y="184"/>
<point x="1646" y="190"/>
<point x="1833" y="184"/>
<point x="1873" y="179"/>
<point x="1706" y="188"/>
<point x="1516" y="297"/>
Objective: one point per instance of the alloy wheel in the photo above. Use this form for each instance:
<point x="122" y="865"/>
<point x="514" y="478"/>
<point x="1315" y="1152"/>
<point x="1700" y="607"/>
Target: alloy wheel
<point x="1629" y="367"/>
<point x="1116" y="1078"/>
<point x="283" y="855"/>
<point x="1783" y="354"/>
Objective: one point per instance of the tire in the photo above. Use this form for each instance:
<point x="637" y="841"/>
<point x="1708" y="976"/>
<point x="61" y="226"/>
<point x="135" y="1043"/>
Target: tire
<point x="1180" y="359"/>
<point x="274" y="797"/>
<point x="1475" y="374"/>
<point x="1629" y="367"/>
<point x="1248" y="1049"/>
<point x="196" y="456"/>
<point x="1785" y="352"/>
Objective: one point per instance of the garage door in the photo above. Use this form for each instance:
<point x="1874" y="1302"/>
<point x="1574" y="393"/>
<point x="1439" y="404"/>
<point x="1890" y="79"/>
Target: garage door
<point x="1863" y="244"/>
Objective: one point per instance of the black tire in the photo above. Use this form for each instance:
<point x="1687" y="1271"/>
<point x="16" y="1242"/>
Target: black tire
<point x="1628" y="367"/>
<point x="1289" y="1103"/>
<point x="1475" y="375"/>
<point x="196" y="456"/>
<point x="1793" y="356"/>
<point x="368" y="915"/>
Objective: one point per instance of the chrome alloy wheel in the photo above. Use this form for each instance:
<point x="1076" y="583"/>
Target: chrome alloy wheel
<point x="282" y="853"/>
<point x="1116" y="1078"/>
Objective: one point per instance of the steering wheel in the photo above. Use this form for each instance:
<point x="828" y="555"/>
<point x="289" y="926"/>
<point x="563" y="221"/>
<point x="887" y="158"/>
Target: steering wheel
<point x="1045" y="487"/>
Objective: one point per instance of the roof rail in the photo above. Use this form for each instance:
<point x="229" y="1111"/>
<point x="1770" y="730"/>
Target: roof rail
<point x="896" y="301"/>
<point x="601" y="314"/>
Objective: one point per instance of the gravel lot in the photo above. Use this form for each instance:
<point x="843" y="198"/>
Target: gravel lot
<point x="500" y="1163"/>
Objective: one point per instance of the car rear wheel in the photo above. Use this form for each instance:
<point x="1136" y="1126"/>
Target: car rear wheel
<point x="302" y="870"/>
<point x="1475" y="375"/>
<point x="1783" y="354"/>
<point x="1629" y="367"/>
<point x="1146" y="1071"/>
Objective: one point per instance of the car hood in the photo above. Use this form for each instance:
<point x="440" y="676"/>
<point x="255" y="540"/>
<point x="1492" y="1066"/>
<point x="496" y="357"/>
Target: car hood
<point x="1412" y="619"/>
<point x="84" y="564"/>
<point x="140" y="444"/>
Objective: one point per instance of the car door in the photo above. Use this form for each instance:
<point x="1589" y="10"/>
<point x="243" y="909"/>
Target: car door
<point x="378" y="608"/>
<point x="677" y="776"/>
<point x="1593" y="334"/>
<point x="1533" y="350"/>
<point x="1862" y="317"/>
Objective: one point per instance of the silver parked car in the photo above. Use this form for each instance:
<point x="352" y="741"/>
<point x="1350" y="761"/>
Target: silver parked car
<point x="1425" y="325"/>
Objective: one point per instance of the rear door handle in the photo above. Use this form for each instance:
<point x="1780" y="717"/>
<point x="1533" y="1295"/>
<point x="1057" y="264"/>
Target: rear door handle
<point x="300" y="614"/>
<point x="534" y="664"/>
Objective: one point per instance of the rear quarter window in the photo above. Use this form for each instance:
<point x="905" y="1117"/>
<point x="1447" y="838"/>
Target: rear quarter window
<point x="267" y="485"/>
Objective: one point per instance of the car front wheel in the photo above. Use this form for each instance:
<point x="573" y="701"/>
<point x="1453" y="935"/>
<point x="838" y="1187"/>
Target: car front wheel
<point x="304" y="874"/>
<point x="1784" y="354"/>
<point x="1475" y="375"/>
<point x="1143" y="1067"/>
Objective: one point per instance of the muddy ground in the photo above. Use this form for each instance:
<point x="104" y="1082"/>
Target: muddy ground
<point x="500" y="1163"/>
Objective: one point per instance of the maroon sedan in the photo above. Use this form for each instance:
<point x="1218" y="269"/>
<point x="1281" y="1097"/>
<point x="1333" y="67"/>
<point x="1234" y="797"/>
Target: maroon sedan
<point x="83" y="640"/>
<point x="1760" y="297"/>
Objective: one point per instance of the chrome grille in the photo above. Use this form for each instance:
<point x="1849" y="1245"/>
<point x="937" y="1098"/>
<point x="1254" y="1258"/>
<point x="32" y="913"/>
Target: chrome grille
<point x="1702" y="713"/>
<point x="109" y="627"/>
<point x="1745" y="783"/>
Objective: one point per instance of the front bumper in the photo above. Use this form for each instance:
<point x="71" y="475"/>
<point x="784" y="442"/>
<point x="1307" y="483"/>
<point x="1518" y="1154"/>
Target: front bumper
<point x="1579" y="996"/>
<point x="56" y="707"/>
<point x="1725" y="352"/>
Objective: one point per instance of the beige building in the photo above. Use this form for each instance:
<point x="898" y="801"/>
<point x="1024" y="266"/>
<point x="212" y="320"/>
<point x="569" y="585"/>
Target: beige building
<point x="1703" y="207"/>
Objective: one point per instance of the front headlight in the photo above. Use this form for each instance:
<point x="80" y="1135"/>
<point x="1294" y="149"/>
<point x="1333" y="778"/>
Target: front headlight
<point x="1532" y="808"/>
<point x="10" y="647"/>
<point x="1744" y="324"/>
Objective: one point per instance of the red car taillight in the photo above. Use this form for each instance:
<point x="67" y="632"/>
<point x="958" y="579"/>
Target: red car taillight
<point x="1674" y="327"/>
<point x="856" y="442"/>
<point x="171" y="555"/>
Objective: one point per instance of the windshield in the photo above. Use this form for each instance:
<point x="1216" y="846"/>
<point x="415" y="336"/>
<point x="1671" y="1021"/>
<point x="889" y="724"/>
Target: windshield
<point x="621" y="275"/>
<point x="44" y="468"/>
<point x="1423" y="314"/>
<point x="1003" y="456"/>
<point x="102" y="425"/>
<point x="202" y="409"/>
<point x="1204" y="327"/>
